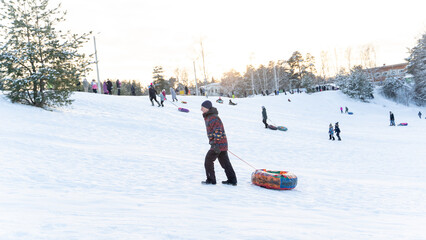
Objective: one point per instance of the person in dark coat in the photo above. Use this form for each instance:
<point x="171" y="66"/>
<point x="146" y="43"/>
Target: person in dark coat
<point x="420" y="115"/>
<point x="109" y="87"/>
<point x="392" y="119"/>
<point x="186" y="90"/>
<point x="265" y="116"/>
<point x="118" y="84"/>
<point x="337" y="130"/>
<point x="346" y="109"/>
<point x="153" y="95"/>
<point x="133" y="90"/>
<point x="219" y="146"/>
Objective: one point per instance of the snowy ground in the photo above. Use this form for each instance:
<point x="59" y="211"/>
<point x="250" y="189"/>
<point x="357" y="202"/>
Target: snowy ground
<point x="112" y="167"/>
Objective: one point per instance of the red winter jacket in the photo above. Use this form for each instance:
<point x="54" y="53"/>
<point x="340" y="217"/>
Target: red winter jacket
<point x="215" y="129"/>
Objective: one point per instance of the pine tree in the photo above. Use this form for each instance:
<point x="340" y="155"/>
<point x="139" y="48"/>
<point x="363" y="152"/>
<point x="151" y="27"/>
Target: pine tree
<point x="41" y="64"/>
<point x="159" y="82"/>
<point x="417" y="67"/>
<point x="295" y="63"/>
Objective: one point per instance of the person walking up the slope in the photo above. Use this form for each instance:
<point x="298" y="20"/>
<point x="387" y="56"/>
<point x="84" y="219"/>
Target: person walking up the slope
<point x="346" y="110"/>
<point x="153" y="95"/>
<point x="331" y="132"/>
<point x="392" y="119"/>
<point x="163" y="97"/>
<point x="341" y="110"/>
<point x="420" y="115"/>
<point x="337" y="130"/>
<point x="219" y="146"/>
<point x="265" y="116"/>
<point x="172" y="91"/>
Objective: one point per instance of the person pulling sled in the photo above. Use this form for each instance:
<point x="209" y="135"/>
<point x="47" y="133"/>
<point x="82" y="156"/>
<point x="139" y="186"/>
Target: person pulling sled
<point x="265" y="116"/>
<point x="219" y="146"/>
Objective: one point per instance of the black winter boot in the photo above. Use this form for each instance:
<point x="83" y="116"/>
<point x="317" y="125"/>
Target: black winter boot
<point x="227" y="182"/>
<point x="208" y="181"/>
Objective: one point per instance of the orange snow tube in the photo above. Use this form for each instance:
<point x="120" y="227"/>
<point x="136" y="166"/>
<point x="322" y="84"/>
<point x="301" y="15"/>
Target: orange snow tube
<point x="280" y="180"/>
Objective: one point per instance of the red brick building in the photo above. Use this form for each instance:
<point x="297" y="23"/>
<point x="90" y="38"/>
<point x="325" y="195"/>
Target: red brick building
<point x="379" y="74"/>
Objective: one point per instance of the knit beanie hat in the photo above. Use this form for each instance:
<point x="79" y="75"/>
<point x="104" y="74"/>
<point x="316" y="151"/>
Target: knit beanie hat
<point x="207" y="104"/>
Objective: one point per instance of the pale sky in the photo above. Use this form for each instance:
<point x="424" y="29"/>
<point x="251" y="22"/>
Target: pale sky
<point x="134" y="36"/>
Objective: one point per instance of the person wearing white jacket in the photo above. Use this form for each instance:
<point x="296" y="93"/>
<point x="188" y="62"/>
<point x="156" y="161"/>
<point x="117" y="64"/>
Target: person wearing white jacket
<point x="172" y="91"/>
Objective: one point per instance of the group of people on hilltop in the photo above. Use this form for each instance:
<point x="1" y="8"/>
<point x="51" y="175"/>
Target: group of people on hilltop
<point x="106" y="87"/>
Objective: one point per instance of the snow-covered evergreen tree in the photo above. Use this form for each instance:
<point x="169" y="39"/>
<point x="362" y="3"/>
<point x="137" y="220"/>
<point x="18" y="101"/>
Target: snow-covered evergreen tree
<point x="397" y="89"/>
<point x="41" y="64"/>
<point x="356" y="84"/>
<point x="159" y="82"/>
<point x="417" y="67"/>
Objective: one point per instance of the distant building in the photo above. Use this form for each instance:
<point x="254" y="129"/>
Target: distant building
<point x="379" y="74"/>
<point x="213" y="89"/>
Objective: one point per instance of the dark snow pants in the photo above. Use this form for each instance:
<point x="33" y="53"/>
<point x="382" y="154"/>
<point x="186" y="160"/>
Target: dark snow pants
<point x="338" y="136"/>
<point x="264" y="121"/>
<point x="224" y="162"/>
<point x="155" y="99"/>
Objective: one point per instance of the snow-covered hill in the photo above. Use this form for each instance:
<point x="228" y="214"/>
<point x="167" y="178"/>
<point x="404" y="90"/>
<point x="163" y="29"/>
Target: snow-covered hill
<point x="114" y="167"/>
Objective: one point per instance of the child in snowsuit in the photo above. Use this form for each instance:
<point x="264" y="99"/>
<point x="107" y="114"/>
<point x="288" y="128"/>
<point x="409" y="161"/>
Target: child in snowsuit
<point x="94" y="86"/>
<point x="337" y="130"/>
<point x="331" y="132"/>
<point x="163" y="97"/>
<point x="341" y="110"/>
<point x="265" y="116"/>
<point x="219" y="146"/>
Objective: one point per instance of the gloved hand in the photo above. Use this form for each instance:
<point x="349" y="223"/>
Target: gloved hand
<point x="214" y="147"/>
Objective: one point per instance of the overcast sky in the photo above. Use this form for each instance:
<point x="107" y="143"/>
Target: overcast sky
<point x="134" y="36"/>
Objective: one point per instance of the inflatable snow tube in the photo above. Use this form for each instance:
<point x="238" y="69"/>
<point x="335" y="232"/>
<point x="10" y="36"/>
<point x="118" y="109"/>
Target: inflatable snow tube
<point x="279" y="180"/>
<point x="350" y="113"/>
<point x="403" y="124"/>
<point x="272" y="127"/>
<point x="282" y="128"/>
<point x="183" y="110"/>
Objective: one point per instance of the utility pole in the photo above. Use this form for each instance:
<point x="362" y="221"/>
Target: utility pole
<point x="275" y="77"/>
<point x="204" y="66"/>
<point x="252" y="81"/>
<point x="196" y="84"/>
<point x="252" y="68"/>
<point x="97" y="68"/>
